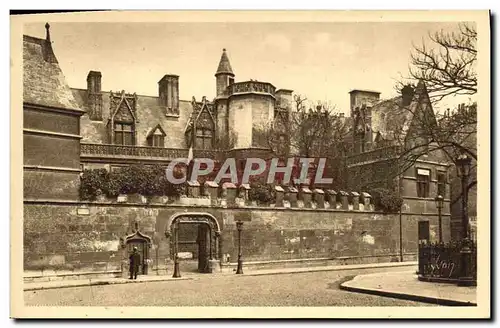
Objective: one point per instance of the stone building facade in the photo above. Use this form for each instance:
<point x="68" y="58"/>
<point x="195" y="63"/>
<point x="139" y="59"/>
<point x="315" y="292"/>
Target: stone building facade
<point x="67" y="130"/>
<point x="51" y="125"/>
<point x="382" y="133"/>
<point x="119" y="128"/>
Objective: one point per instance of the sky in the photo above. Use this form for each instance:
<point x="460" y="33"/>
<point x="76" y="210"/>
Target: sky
<point x="321" y="61"/>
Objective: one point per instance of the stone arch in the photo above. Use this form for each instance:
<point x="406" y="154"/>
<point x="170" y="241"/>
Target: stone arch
<point x="199" y="215"/>
<point x="143" y="242"/>
<point x="197" y="218"/>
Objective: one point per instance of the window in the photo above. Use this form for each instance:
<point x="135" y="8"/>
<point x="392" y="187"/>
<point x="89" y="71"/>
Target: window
<point x="204" y="138"/>
<point x="423" y="179"/>
<point x="124" y="134"/>
<point x="231" y="81"/>
<point x="156" y="140"/>
<point x="441" y="183"/>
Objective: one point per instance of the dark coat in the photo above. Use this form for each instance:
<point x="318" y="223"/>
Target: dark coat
<point x="135" y="259"/>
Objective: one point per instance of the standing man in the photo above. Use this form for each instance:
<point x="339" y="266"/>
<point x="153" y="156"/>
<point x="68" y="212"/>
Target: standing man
<point x="135" y="259"/>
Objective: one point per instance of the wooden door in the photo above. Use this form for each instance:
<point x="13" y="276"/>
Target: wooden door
<point x="203" y="248"/>
<point x="423" y="231"/>
<point x="141" y="249"/>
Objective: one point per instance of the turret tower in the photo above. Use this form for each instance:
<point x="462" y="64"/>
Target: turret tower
<point x="224" y="75"/>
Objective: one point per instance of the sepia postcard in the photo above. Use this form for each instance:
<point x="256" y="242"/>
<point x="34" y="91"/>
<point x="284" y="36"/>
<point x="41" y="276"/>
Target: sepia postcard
<point x="250" y="164"/>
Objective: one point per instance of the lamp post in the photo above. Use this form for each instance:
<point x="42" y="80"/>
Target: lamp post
<point x="177" y="272"/>
<point x="439" y="204"/>
<point x="239" y="226"/>
<point x="463" y="170"/>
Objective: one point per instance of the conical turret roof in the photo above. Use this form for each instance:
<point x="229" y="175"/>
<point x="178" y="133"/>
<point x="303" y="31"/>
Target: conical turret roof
<point x="224" y="65"/>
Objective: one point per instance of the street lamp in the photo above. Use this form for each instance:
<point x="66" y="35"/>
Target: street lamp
<point x="463" y="164"/>
<point x="239" y="226"/>
<point x="177" y="272"/>
<point x="439" y="204"/>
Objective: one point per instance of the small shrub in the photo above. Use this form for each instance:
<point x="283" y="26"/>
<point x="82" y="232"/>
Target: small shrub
<point x="135" y="179"/>
<point x="114" y="185"/>
<point x="92" y="182"/>
<point x="386" y="200"/>
<point x="262" y="193"/>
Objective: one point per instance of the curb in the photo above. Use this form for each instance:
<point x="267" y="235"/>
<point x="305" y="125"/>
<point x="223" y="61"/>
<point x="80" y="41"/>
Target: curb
<point x="102" y="283"/>
<point x="335" y="268"/>
<point x="409" y="297"/>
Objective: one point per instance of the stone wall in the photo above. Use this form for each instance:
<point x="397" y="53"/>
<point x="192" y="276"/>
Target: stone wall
<point x="240" y="118"/>
<point x="87" y="237"/>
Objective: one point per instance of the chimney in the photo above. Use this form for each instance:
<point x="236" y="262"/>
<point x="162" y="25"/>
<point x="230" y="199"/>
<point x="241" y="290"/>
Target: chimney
<point x="407" y="93"/>
<point x="358" y="98"/>
<point x="94" y="95"/>
<point x="168" y="93"/>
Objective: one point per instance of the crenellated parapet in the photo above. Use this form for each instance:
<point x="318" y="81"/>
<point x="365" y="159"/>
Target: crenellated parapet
<point x="255" y="87"/>
<point x="229" y="195"/>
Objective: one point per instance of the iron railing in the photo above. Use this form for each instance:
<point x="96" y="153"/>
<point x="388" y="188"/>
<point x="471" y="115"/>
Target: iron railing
<point x="445" y="261"/>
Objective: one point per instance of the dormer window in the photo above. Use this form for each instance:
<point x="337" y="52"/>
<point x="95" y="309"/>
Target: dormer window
<point x="204" y="138"/>
<point x="157" y="140"/>
<point x="156" y="137"/>
<point x="124" y="134"/>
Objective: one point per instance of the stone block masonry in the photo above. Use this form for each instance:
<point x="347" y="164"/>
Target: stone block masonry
<point x="86" y="237"/>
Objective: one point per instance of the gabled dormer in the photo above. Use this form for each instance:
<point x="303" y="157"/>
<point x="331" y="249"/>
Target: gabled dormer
<point x="200" y="129"/>
<point x="156" y="137"/>
<point x="122" y="123"/>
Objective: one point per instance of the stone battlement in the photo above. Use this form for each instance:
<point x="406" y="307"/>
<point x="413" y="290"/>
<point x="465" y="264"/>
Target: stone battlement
<point x="228" y="195"/>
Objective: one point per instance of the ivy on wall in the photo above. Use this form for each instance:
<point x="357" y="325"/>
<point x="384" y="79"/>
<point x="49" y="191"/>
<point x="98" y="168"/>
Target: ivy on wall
<point x="134" y="179"/>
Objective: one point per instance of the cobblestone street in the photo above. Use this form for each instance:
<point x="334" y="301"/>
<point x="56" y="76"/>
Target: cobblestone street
<point x="299" y="289"/>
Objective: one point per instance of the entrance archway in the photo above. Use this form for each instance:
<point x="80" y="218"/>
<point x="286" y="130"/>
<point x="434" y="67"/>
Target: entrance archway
<point x="143" y="244"/>
<point x="208" y="237"/>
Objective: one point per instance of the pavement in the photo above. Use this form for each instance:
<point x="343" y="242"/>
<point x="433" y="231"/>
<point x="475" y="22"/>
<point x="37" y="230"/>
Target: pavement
<point x="405" y="285"/>
<point x="298" y="290"/>
<point x="32" y="286"/>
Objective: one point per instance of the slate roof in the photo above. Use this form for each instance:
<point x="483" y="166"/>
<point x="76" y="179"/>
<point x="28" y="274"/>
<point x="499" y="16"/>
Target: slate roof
<point x="224" y="65"/>
<point x="390" y="119"/>
<point x="44" y="83"/>
<point x="149" y="114"/>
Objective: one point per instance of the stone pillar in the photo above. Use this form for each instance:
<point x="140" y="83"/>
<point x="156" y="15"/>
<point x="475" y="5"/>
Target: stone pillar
<point x="355" y="200"/>
<point x="331" y="196"/>
<point x="213" y="191"/>
<point x="291" y="196"/>
<point x="243" y="190"/>
<point x="344" y="199"/>
<point x="306" y="195"/>
<point x="280" y="196"/>
<point x="319" y="198"/>
<point x="193" y="189"/>
<point x="366" y="200"/>
<point x="230" y="191"/>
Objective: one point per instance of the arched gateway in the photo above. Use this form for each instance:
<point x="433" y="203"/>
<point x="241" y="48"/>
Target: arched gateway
<point x="208" y="236"/>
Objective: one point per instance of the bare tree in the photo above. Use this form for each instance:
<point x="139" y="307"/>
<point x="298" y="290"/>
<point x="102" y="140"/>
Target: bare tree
<point x="447" y="65"/>
<point x="438" y="136"/>
<point x="308" y="130"/>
